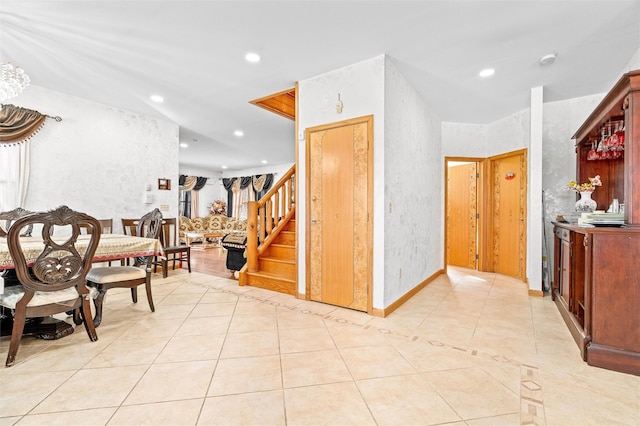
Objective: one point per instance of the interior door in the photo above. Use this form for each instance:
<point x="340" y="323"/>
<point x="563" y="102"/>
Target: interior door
<point x="339" y="168"/>
<point x="462" y="194"/>
<point x="509" y="209"/>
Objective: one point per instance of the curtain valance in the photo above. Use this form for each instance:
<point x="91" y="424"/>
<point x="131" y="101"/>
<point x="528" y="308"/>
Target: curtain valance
<point x="18" y="124"/>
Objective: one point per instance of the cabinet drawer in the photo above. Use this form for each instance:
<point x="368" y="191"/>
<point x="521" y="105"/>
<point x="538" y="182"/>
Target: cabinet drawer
<point x="563" y="234"/>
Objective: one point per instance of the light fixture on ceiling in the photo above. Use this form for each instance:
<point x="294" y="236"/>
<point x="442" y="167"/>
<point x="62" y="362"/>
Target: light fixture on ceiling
<point x="12" y="81"/>
<point x="487" y="72"/>
<point x="157" y="98"/>
<point x="548" y="59"/>
<point x="264" y="161"/>
<point x="224" y="167"/>
<point x="238" y="133"/>
<point x="184" y="145"/>
<point x="252" y="57"/>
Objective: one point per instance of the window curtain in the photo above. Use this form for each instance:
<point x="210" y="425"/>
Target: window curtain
<point x="241" y="189"/>
<point x="19" y="124"/>
<point x="14" y="175"/>
<point x="190" y="185"/>
<point x="227" y="183"/>
<point x="195" y="198"/>
<point x="262" y="184"/>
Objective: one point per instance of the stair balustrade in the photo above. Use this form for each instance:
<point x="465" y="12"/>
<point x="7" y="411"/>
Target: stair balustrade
<point x="268" y="216"/>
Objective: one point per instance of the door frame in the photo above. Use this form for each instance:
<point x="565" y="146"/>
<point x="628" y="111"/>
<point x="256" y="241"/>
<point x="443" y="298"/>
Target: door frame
<point x="368" y="119"/>
<point x="482" y="209"/>
<point x="490" y="191"/>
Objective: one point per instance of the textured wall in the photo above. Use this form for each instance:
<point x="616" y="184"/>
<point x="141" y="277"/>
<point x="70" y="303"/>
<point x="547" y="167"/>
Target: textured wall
<point x="560" y="121"/>
<point x="464" y="140"/>
<point x="414" y="188"/>
<point x="361" y="88"/>
<point x="99" y="159"/>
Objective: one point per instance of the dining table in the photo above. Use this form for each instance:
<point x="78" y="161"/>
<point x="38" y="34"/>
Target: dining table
<point x="110" y="247"/>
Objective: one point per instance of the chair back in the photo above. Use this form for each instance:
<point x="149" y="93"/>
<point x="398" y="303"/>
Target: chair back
<point x="169" y="233"/>
<point x="12" y="215"/>
<point x="130" y="227"/>
<point x="150" y="224"/>
<point x="106" y="227"/>
<point x="60" y="264"/>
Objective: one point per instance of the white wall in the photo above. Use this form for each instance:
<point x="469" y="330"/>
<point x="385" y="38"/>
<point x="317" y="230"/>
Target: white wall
<point x="561" y="120"/>
<point x="361" y="89"/>
<point x="464" y="140"/>
<point x="99" y="159"/>
<point x="414" y="188"/>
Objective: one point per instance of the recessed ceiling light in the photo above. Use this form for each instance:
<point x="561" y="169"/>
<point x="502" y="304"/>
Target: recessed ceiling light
<point x="487" y="72"/>
<point x="252" y="57"/>
<point x="548" y="59"/>
<point x="238" y="133"/>
<point x="224" y="167"/>
<point x="157" y="98"/>
<point x="264" y="161"/>
<point x="184" y="145"/>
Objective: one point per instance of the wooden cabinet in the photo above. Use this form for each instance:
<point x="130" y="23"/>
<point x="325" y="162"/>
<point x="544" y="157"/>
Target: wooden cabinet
<point x="596" y="275"/>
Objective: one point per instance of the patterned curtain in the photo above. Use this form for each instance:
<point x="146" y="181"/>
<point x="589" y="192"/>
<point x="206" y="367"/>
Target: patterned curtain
<point x="195" y="197"/>
<point x="19" y="124"/>
<point x="228" y="185"/>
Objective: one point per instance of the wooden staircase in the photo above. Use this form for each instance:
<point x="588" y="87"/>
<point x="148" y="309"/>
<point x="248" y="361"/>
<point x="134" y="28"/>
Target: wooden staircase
<point x="271" y="240"/>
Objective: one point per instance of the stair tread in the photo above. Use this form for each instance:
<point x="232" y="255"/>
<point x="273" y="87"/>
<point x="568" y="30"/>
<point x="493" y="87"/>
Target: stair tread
<point x="277" y="259"/>
<point x="266" y="274"/>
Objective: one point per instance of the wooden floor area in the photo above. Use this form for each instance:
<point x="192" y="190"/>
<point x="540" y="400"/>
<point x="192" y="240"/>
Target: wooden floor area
<point x="211" y="261"/>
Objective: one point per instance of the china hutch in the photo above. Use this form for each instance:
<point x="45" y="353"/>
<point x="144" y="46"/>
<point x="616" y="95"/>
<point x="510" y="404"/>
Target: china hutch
<point x="596" y="283"/>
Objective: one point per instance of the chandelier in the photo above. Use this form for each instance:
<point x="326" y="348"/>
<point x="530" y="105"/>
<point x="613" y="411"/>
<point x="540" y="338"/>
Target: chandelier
<point x="12" y="81"/>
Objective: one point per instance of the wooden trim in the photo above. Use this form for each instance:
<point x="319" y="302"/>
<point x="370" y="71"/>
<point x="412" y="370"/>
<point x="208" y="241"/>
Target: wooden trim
<point x="296" y="191"/>
<point x="283" y="103"/>
<point x="408" y="295"/>
<point x="368" y="119"/>
<point x="536" y="293"/>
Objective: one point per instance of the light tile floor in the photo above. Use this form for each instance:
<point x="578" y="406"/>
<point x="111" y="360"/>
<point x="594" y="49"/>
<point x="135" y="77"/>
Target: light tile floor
<point x="469" y="349"/>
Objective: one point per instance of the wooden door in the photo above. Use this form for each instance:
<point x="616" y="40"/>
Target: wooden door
<point x="509" y="213"/>
<point x="339" y="200"/>
<point x="462" y="194"/>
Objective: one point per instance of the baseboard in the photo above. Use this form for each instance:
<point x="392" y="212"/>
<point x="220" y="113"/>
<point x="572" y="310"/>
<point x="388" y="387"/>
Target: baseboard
<point x="536" y="293"/>
<point x="408" y="295"/>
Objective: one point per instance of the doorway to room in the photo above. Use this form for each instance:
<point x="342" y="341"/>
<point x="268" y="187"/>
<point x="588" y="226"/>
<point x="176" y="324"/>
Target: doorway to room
<point x="485" y="213"/>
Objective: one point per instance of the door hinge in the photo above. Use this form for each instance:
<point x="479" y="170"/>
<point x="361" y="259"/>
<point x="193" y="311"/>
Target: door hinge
<point x="477" y="175"/>
<point x="477" y="256"/>
<point x="477" y="215"/>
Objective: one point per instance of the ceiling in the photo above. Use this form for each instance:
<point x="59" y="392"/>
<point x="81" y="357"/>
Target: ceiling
<point x="192" y="53"/>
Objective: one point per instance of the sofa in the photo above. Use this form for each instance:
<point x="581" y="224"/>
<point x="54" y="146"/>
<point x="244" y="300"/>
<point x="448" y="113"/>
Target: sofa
<point x="211" y="223"/>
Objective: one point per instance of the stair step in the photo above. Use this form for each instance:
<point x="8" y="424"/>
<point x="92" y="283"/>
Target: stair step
<point x="281" y="267"/>
<point x="286" y="238"/>
<point x="270" y="281"/>
<point x="281" y="251"/>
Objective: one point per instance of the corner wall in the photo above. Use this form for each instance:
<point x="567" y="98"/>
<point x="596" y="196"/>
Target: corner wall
<point x="413" y="188"/>
<point x="99" y="159"/>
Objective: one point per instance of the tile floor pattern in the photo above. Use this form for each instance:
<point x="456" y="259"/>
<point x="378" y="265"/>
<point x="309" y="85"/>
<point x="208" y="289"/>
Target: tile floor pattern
<point x="469" y="349"/>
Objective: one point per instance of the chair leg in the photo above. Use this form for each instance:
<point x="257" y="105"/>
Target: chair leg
<point x="165" y="267"/>
<point x="77" y="317"/>
<point x="147" y="287"/>
<point x="98" y="302"/>
<point x="189" y="259"/>
<point x="134" y="294"/>
<point x="87" y="319"/>
<point x="19" y="318"/>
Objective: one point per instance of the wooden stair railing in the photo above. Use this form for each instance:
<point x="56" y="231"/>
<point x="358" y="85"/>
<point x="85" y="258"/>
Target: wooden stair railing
<point x="267" y="217"/>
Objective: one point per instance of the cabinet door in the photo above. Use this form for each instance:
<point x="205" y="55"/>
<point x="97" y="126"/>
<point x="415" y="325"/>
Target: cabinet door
<point x="565" y="274"/>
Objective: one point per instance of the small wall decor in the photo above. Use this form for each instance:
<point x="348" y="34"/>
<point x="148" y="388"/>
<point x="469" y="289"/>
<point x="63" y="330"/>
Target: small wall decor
<point x="510" y="176"/>
<point x="164" y="184"/>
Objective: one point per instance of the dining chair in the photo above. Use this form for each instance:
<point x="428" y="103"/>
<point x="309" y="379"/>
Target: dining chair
<point x="106" y="277"/>
<point x="10" y="216"/>
<point x="178" y="252"/>
<point x="56" y="282"/>
<point x="106" y="226"/>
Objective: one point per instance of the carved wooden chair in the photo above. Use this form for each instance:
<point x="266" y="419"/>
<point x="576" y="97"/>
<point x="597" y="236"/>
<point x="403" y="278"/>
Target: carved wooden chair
<point x="10" y="216"/>
<point x="104" y="278"/>
<point x="174" y="252"/>
<point x="56" y="281"/>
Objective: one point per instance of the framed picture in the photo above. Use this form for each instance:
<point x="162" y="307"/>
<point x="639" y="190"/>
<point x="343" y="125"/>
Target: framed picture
<point x="164" y="184"/>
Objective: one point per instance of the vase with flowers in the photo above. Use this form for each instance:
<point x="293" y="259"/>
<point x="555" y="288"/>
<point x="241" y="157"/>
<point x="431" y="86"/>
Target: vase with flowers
<point x="218" y="207"/>
<point x="585" y="203"/>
